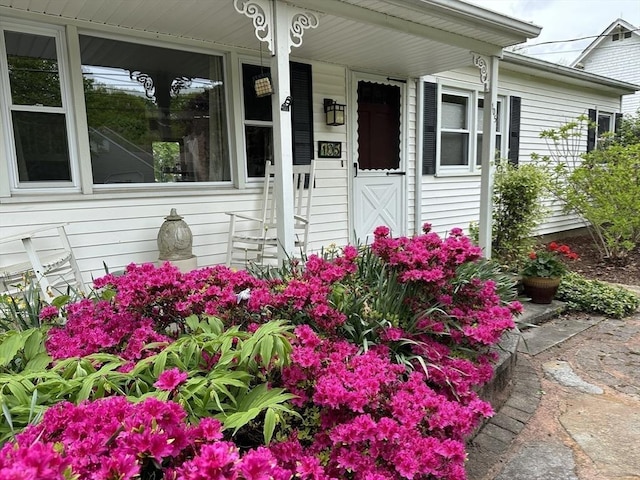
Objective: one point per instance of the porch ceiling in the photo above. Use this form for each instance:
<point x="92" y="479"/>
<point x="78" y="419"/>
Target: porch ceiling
<point x="399" y="37"/>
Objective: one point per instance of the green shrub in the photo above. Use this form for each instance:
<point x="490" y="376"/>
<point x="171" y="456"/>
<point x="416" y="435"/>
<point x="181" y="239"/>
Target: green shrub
<point x="602" y="186"/>
<point x="593" y="296"/>
<point x="517" y="208"/>
<point x="606" y="191"/>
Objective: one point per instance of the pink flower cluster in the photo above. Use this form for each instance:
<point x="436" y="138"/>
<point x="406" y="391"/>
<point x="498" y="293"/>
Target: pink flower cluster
<point x="114" y="439"/>
<point x="470" y="314"/>
<point x="376" y="421"/>
<point x="101" y="327"/>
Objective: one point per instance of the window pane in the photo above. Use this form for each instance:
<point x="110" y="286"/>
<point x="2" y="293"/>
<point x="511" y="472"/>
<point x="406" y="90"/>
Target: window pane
<point x="454" y="112"/>
<point x="259" y="149"/>
<point x="455" y="149"/>
<point x="255" y="108"/>
<point x="604" y="124"/>
<point x="481" y="114"/>
<point x="155" y="115"/>
<point x="33" y="69"/>
<point x="41" y="146"/>
<point x="479" y="148"/>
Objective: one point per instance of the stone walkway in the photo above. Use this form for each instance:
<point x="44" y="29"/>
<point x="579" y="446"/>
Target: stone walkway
<point x="574" y="410"/>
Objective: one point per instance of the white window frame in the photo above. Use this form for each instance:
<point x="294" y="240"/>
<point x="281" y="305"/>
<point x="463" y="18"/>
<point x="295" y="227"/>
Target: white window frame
<point x="472" y="130"/>
<point x="13" y="184"/>
<point x="612" y="123"/>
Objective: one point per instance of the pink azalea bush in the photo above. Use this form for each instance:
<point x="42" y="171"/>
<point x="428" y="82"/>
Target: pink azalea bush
<point x="383" y="392"/>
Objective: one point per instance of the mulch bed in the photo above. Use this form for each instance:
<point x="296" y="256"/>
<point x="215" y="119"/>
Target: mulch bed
<point x="592" y="266"/>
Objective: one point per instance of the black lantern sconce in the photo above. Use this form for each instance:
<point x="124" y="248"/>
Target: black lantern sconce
<point x="334" y="112"/>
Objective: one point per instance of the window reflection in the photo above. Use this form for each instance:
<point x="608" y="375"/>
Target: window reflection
<point x="155" y="115"/>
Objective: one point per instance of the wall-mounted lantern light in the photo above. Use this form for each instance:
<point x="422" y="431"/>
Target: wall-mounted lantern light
<point x="334" y="112"/>
<point x="262" y="85"/>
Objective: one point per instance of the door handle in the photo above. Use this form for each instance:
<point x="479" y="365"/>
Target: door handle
<point x="355" y="165"/>
<point x="396" y="173"/>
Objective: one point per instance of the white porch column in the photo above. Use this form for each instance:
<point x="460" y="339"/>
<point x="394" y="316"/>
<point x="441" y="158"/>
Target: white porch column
<point x="489" y="77"/>
<point x="281" y="27"/>
<point x="282" y="134"/>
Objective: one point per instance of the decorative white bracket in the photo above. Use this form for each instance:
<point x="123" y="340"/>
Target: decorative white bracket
<point x="481" y="62"/>
<point x="260" y="12"/>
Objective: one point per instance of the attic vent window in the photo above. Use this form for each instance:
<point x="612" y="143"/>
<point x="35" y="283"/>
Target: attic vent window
<point x="615" y="37"/>
<point x="627" y="34"/>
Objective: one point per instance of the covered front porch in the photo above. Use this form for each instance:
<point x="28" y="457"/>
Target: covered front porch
<point x="347" y="43"/>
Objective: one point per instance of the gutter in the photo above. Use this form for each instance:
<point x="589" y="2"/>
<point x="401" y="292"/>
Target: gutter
<point x="556" y="69"/>
<point x="473" y="15"/>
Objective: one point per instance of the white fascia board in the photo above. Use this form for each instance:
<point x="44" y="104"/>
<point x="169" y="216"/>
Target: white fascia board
<point x="566" y="73"/>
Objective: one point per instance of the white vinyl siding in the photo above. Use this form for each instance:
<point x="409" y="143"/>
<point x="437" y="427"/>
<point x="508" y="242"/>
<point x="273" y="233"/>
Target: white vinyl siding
<point x="619" y="60"/>
<point x="449" y="202"/>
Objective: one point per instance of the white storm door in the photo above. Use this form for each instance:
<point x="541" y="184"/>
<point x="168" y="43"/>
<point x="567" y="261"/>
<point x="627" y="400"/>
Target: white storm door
<point x="379" y="171"/>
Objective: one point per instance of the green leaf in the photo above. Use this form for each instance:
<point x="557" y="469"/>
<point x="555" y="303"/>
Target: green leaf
<point x="38" y="363"/>
<point x="33" y="343"/>
<point x="269" y="425"/>
<point x="160" y="362"/>
<point x="12" y="343"/>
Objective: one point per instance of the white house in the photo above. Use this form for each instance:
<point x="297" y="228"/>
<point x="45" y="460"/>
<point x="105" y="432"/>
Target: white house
<point x="114" y="112"/>
<point x="615" y="53"/>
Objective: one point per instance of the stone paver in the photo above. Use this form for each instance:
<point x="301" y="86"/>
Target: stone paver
<point x="541" y="461"/>
<point x="562" y="373"/>
<point x="537" y="340"/>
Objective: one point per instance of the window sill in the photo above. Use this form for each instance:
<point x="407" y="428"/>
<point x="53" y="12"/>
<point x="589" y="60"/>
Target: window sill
<point x="123" y="193"/>
<point x="454" y="173"/>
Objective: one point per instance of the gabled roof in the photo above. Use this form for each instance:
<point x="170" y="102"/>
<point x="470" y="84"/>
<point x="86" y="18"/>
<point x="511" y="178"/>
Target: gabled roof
<point x="604" y="36"/>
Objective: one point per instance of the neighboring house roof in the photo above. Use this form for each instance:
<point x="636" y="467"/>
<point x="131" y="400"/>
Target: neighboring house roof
<point x="531" y="65"/>
<point x="617" y="24"/>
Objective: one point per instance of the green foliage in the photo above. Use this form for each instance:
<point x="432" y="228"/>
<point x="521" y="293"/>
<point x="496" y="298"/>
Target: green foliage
<point x="602" y="186"/>
<point x="228" y="376"/>
<point x="605" y="189"/>
<point x="517" y="209"/>
<point x="629" y="131"/>
<point x="23" y="351"/>
<point x="593" y="296"/>
<point x="20" y="310"/>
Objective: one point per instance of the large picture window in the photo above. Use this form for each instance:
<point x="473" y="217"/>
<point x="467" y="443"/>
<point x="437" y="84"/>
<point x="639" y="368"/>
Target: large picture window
<point x="37" y="110"/>
<point x="155" y="115"/>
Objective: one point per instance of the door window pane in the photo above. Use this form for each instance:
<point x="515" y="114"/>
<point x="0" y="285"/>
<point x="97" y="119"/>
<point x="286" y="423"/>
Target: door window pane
<point x="33" y="69"/>
<point x="41" y="146"/>
<point x="155" y="115"/>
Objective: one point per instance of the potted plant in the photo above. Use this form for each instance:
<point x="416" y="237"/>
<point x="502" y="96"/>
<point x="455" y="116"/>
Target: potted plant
<point x="543" y="270"/>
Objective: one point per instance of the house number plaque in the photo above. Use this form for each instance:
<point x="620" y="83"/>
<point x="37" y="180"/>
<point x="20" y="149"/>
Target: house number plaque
<point x="329" y="149"/>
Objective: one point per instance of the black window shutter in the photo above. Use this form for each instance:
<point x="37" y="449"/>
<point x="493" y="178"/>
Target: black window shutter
<point x="301" y="113"/>
<point x="515" y="104"/>
<point x="592" y="129"/>
<point x="618" y="122"/>
<point x="429" y="128"/>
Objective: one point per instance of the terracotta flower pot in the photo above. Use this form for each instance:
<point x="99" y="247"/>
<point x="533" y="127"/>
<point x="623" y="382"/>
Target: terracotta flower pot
<point x="541" y="289"/>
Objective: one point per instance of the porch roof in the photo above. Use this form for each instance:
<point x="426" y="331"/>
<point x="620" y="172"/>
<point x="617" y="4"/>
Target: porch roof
<point x="401" y="37"/>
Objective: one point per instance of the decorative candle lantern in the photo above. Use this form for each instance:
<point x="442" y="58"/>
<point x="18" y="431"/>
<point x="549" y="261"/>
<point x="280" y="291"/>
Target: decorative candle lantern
<point x="175" y="242"/>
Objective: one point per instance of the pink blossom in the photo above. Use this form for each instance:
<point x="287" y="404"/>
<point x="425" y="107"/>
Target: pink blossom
<point x="170" y="379"/>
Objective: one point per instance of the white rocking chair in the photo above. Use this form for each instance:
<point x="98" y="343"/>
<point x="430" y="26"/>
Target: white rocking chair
<point x="54" y="268"/>
<point x="254" y="239"/>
